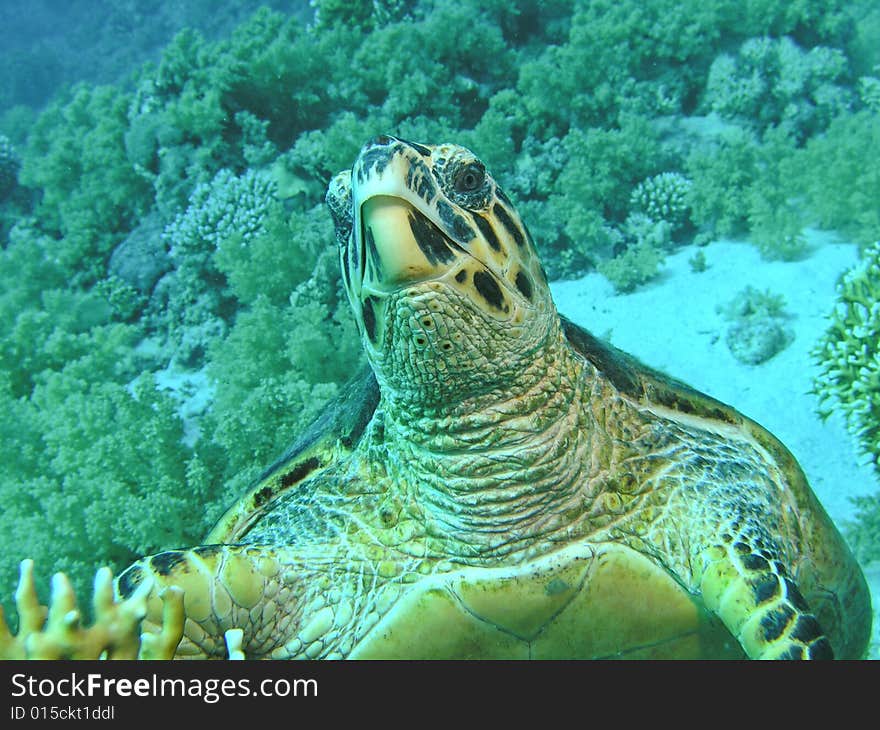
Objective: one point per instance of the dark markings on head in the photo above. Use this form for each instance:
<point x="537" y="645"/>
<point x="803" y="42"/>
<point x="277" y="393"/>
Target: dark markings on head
<point x="130" y="580"/>
<point x="342" y="224"/>
<point x="488" y="287"/>
<point x="299" y="471"/>
<point x="461" y="276"/>
<point x="487" y="231"/>
<point x="418" y="179"/>
<point x="430" y="239"/>
<point x="263" y="496"/>
<point x="164" y="563"/>
<point x="502" y="196"/>
<point x="369" y="317"/>
<point x="373" y="252"/>
<point x="806" y="629"/>
<point x="821" y="649"/>
<point x="766" y="589"/>
<point x="524" y="284"/>
<point x="426" y="189"/>
<point x="454" y="222"/>
<point x="773" y="625"/>
<point x="514" y="230"/>
<point x="354" y="259"/>
<point x="423" y="151"/>
<point x="375" y="158"/>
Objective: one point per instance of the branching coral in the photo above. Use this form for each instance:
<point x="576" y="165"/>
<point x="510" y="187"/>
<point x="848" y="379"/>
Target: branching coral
<point x="848" y="356"/>
<point x="59" y="630"/>
<point x="230" y="210"/>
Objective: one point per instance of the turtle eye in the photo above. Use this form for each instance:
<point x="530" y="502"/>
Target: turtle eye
<point x="470" y="178"/>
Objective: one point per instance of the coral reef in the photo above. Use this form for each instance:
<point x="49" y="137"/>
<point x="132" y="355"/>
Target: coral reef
<point x="840" y="176"/>
<point x="229" y="211"/>
<point x="773" y="82"/>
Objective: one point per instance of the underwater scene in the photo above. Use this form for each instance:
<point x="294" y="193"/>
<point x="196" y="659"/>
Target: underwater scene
<point x="189" y="284"/>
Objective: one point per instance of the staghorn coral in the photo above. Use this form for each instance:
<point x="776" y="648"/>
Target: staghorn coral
<point x="57" y="631"/>
<point x="848" y="356"/>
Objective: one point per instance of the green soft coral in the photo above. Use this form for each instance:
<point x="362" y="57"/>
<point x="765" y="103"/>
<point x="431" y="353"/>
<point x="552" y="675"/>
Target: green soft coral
<point x="9" y="166"/>
<point x="591" y="192"/>
<point x="82" y="435"/>
<point x="91" y="194"/>
<point x="108" y="483"/>
<point x="840" y="176"/>
<point x="772" y="81"/>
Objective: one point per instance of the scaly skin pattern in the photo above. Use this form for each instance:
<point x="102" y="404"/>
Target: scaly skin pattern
<point x="513" y="493"/>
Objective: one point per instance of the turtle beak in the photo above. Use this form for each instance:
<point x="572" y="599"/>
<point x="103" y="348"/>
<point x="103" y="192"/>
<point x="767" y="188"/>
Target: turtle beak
<point x="401" y="245"/>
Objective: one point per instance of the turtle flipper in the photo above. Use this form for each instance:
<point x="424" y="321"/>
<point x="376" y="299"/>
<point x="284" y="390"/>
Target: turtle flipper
<point x="760" y="604"/>
<point x="274" y="595"/>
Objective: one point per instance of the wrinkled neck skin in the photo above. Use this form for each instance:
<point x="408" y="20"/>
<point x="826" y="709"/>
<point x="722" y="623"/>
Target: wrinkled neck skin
<point x="493" y="450"/>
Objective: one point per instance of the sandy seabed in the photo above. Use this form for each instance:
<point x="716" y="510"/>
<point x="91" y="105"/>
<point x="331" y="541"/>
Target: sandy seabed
<point x="673" y="323"/>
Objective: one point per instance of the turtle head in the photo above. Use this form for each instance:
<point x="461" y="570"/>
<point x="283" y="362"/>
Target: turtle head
<point x="443" y="277"/>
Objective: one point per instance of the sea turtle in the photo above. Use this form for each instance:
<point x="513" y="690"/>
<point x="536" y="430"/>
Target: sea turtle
<point x="499" y="483"/>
